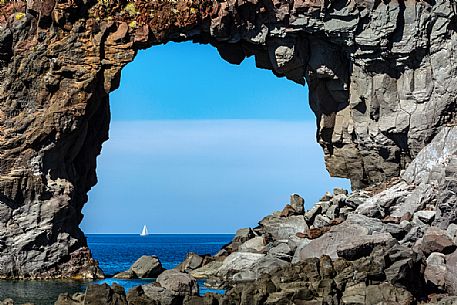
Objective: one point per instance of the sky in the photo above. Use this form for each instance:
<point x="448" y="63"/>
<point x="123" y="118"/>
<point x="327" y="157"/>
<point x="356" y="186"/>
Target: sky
<point x="198" y="145"/>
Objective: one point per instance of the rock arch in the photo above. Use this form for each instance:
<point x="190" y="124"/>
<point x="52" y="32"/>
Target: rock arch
<point x="381" y="76"/>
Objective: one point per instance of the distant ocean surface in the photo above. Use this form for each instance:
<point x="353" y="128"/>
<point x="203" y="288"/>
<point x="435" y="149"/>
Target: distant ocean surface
<point x="115" y="253"/>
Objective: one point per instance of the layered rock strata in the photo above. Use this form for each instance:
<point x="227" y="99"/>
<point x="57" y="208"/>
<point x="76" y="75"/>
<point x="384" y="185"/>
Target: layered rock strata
<point x="381" y="76"/>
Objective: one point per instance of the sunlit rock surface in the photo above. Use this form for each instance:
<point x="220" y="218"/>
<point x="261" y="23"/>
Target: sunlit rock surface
<point x="381" y="76"/>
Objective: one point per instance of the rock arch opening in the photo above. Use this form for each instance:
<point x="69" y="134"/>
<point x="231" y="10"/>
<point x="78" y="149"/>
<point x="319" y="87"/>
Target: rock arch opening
<point x="60" y="59"/>
<point x="186" y="163"/>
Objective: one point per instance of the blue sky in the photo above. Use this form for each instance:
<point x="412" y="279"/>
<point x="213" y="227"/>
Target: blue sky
<point x="198" y="145"/>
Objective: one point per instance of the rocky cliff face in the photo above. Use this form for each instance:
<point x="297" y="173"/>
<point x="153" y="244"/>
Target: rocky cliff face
<point x="381" y="76"/>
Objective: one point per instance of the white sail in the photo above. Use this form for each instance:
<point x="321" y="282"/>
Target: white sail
<point x="145" y="231"/>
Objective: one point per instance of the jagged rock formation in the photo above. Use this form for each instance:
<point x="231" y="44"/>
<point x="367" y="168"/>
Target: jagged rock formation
<point x="381" y="76"/>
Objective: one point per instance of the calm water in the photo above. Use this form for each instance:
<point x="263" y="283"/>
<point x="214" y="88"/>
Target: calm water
<point x="115" y="253"/>
<point x="118" y="252"/>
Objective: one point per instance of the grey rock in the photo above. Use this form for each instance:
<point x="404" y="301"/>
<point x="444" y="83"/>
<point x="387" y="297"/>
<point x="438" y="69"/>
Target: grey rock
<point x="381" y="79"/>
<point x="206" y="271"/>
<point x="450" y="276"/>
<point x="125" y="275"/>
<point x="256" y="245"/>
<point x="298" y="203"/>
<point x="436" y="240"/>
<point x="435" y="271"/>
<point x="425" y="216"/>
<point x="312" y="213"/>
<point x="321" y="221"/>
<point x="191" y="262"/>
<point x="66" y="299"/>
<point x="282" y="228"/>
<point x="282" y="251"/>
<point x="144" y="267"/>
<point x="363" y="245"/>
<point x="265" y="265"/>
<point x="178" y="283"/>
<point x="105" y="295"/>
<point x="152" y="294"/>
<point x="237" y="262"/>
<point x="452" y="232"/>
<point x="427" y="166"/>
<point x="329" y="243"/>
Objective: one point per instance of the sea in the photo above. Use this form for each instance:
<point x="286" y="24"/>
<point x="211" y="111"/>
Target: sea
<point x="116" y="253"/>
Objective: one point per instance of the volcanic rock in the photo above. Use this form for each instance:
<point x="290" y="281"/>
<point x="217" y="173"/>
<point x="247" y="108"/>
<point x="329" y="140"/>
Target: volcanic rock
<point x="191" y="262"/>
<point x="381" y="79"/>
<point x="178" y="283"/>
<point x="436" y="270"/>
<point x="256" y="245"/>
<point x="96" y="295"/>
<point x="237" y="262"/>
<point x="144" y="267"/>
<point x="207" y="270"/>
<point x="436" y="240"/>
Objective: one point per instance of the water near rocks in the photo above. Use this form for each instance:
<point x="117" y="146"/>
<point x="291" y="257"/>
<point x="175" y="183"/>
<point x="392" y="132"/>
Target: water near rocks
<point x="115" y="253"/>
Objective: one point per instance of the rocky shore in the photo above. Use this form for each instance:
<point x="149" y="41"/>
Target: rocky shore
<point x="393" y="243"/>
<point x="381" y="77"/>
<point x="382" y="82"/>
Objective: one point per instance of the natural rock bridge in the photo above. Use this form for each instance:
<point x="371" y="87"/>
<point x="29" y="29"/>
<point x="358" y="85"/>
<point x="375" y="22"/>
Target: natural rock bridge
<point x="381" y="76"/>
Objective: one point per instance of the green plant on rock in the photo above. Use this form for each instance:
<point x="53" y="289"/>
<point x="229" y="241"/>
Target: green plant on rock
<point x="19" y="16"/>
<point x="130" y="9"/>
<point x="105" y="3"/>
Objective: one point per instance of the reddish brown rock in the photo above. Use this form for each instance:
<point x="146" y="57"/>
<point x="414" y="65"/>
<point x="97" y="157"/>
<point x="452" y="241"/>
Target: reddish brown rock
<point x="436" y="240"/>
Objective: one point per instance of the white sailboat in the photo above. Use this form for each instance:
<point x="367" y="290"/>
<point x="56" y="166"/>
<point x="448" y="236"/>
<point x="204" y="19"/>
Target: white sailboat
<point x="145" y="231"/>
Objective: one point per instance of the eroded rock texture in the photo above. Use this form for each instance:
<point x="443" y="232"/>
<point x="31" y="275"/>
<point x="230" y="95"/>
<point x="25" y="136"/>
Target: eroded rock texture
<point x="381" y="76"/>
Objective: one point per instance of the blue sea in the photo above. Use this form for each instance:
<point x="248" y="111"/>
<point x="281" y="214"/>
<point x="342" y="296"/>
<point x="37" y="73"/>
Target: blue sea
<point x="116" y="253"/>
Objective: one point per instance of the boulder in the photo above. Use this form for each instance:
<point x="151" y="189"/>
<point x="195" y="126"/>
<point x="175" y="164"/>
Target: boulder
<point x="191" y="262"/>
<point x="178" y="283"/>
<point x="355" y="294"/>
<point x="105" y="295"/>
<point x="339" y="191"/>
<point x="282" y="228"/>
<point x="435" y="271"/>
<point x="363" y="245"/>
<point x="312" y="213"/>
<point x="452" y="231"/>
<point x="451" y="273"/>
<point x="241" y="236"/>
<point x="296" y="206"/>
<point x="127" y="275"/>
<point x="436" y="240"/>
<point x="137" y="296"/>
<point x="297" y="203"/>
<point x="144" y="267"/>
<point x="153" y="294"/>
<point x="281" y="251"/>
<point x="237" y="262"/>
<point x="388" y="294"/>
<point x="207" y="270"/>
<point x="329" y="242"/>
<point x="425" y="216"/>
<point x="265" y="265"/>
<point x="256" y="245"/>
<point x="321" y="221"/>
<point x="333" y="211"/>
<point x="67" y="299"/>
